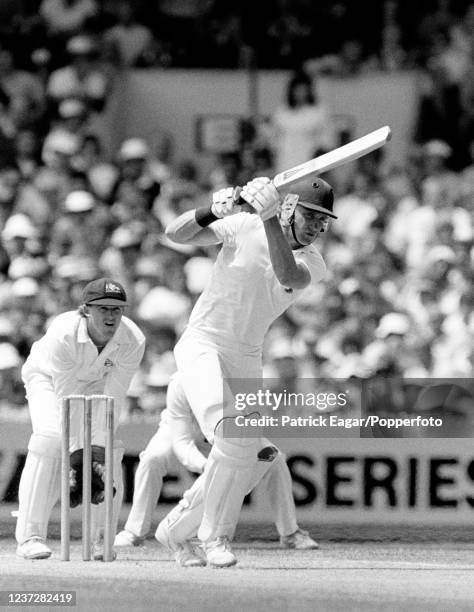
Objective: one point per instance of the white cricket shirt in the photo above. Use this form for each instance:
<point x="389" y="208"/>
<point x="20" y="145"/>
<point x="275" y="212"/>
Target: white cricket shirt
<point x="244" y="296"/>
<point x="66" y="360"/>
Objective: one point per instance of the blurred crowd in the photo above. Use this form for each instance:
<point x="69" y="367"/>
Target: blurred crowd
<point x="398" y="298"/>
<point x="339" y="35"/>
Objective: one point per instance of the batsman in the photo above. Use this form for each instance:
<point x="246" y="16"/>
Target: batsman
<point x="266" y="261"/>
<point x="93" y="350"/>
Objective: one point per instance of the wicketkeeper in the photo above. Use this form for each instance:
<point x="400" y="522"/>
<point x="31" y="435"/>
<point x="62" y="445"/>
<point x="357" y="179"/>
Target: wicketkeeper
<point x="94" y="350"/>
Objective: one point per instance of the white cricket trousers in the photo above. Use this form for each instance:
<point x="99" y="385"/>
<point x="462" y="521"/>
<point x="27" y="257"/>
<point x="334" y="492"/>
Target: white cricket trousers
<point x="202" y="365"/>
<point x="155" y="462"/>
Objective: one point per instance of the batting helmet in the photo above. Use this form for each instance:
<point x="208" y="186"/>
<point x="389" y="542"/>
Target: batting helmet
<point x="315" y="194"/>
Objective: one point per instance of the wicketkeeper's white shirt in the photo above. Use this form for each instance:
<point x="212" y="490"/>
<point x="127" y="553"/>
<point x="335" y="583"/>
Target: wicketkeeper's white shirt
<point x="244" y="295"/>
<point x="66" y="360"/>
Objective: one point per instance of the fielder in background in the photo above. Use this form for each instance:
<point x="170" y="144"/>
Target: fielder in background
<point x="177" y="439"/>
<point x="93" y="350"/>
<point x="267" y="259"/>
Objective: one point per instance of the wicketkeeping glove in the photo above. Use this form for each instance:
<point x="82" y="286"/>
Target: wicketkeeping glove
<point x="224" y="202"/>
<point x="98" y="474"/>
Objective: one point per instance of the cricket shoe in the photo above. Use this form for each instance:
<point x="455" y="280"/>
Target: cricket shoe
<point x="299" y="540"/>
<point x="34" y="548"/>
<point x="219" y="553"/>
<point x="185" y="553"/>
<point x="127" y="538"/>
<point x="188" y="555"/>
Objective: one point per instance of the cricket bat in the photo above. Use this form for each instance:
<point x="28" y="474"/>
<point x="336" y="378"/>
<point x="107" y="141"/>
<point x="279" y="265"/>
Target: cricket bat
<point x="337" y="157"/>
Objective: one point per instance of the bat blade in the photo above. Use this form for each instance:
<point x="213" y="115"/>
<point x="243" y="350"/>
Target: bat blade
<point x="337" y="157"/>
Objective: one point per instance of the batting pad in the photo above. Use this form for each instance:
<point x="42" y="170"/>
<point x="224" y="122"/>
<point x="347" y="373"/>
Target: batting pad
<point x="226" y="478"/>
<point x="275" y="479"/>
<point x="182" y="522"/>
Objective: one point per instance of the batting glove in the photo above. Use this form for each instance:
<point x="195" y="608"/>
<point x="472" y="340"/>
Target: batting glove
<point x="262" y="196"/>
<point x="224" y="202"/>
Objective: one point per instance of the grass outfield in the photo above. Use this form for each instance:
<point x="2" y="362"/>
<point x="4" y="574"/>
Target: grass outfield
<point x="357" y="568"/>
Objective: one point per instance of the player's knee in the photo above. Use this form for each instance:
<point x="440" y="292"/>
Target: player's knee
<point x="45" y="445"/>
<point x="156" y="461"/>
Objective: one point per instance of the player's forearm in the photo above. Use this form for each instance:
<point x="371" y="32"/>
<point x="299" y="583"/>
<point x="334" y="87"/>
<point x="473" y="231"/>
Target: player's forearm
<point x="183" y="228"/>
<point x="192" y="227"/>
<point x="286" y="269"/>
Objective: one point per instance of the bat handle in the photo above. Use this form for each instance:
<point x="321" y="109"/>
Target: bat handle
<point x="244" y="206"/>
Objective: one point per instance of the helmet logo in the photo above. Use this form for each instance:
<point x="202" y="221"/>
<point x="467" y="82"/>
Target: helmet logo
<point x="288" y="208"/>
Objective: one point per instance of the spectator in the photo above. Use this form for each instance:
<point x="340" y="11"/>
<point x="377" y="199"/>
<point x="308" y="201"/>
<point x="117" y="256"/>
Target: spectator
<point x="11" y="390"/>
<point x="65" y="18"/>
<point x="179" y="193"/>
<point x="54" y="179"/>
<point x="101" y="174"/>
<point x="391" y="354"/>
<point x="134" y="170"/>
<point x="81" y="228"/>
<point x="7" y="129"/>
<point x="24" y="91"/>
<point x="82" y="78"/>
<point x="20" y="241"/>
<point x="357" y="201"/>
<point x="440" y="113"/>
<point x="130" y="205"/>
<point x="9" y="182"/>
<point x="163" y="307"/>
<point x="129" y="42"/>
<point x="227" y="170"/>
<point x="120" y="259"/>
<point x="69" y="276"/>
<point x="72" y="117"/>
<point x="302" y="125"/>
<point x="27" y="153"/>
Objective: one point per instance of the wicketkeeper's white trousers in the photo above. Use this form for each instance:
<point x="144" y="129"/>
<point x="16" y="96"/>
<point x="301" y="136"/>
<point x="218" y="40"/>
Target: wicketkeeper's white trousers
<point x="39" y="487"/>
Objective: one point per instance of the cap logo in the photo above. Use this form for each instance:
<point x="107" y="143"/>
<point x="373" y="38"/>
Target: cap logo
<point x="112" y="288"/>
